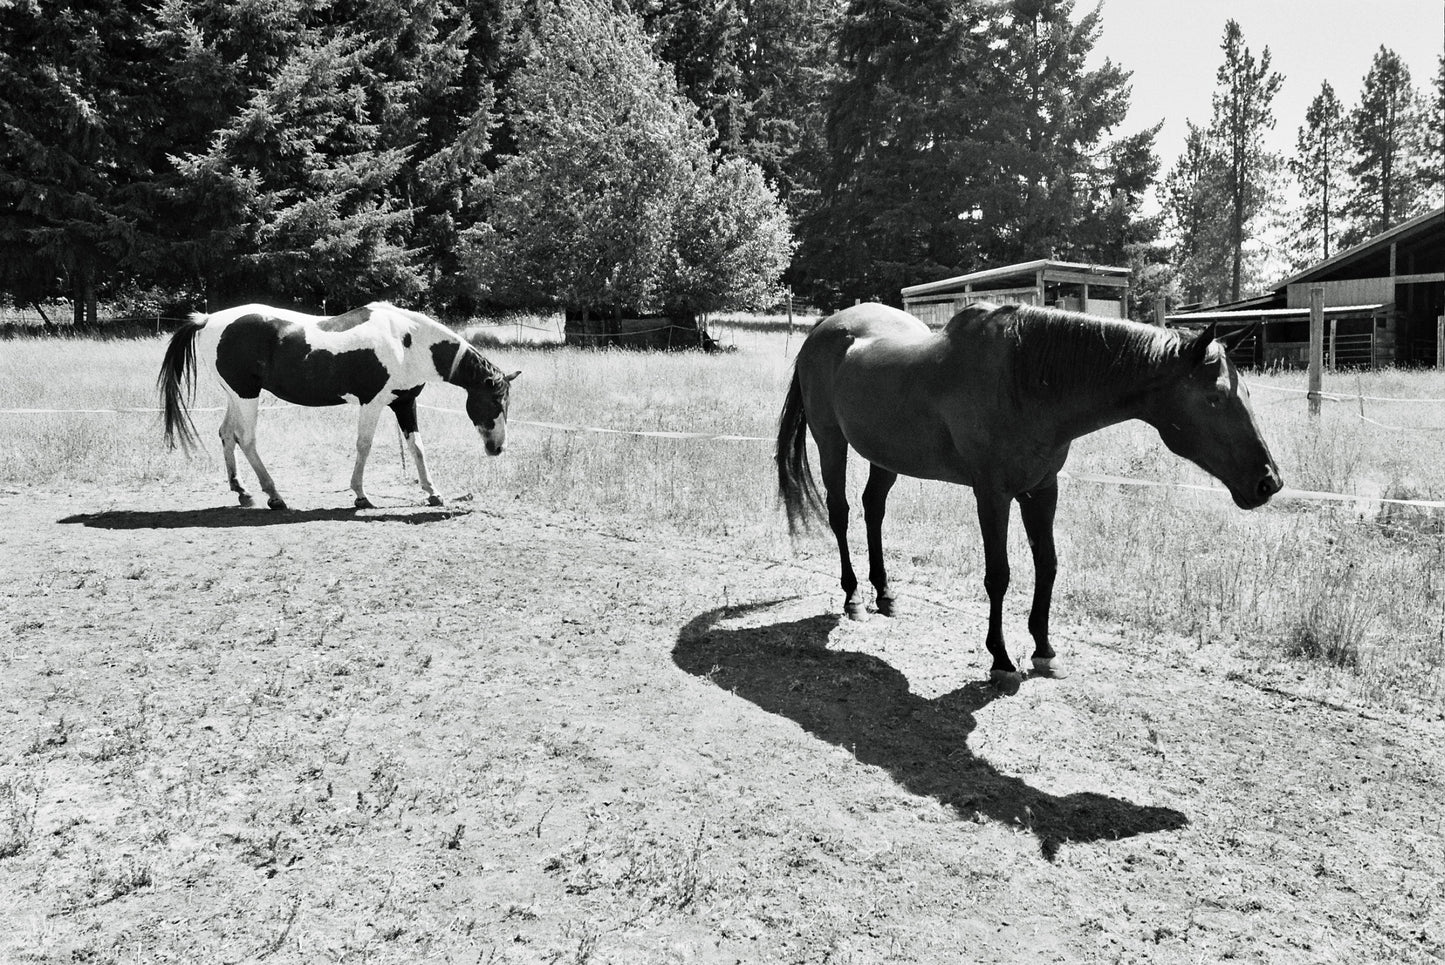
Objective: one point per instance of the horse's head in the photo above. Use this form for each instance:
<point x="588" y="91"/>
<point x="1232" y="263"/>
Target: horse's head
<point x="1203" y="415"/>
<point x="488" y="395"/>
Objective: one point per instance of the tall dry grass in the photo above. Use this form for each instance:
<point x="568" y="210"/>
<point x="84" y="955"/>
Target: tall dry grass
<point x="1350" y="593"/>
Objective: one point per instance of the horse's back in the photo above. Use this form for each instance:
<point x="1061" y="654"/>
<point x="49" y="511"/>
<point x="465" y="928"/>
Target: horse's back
<point x="859" y="329"/>
<point x="867" y="321"/>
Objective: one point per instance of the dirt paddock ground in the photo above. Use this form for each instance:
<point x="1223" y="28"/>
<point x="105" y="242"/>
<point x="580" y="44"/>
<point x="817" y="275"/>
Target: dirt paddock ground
<point x="494" y="733"/>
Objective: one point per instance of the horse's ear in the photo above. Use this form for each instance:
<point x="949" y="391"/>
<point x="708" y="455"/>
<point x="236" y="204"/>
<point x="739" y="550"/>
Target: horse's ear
<point x="509" y="378"/>
<point x="1233" y="339"/>
<point x="1197" y="348"/>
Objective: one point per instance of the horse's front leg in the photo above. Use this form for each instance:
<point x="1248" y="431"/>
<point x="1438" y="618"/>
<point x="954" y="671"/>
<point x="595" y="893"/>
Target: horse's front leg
<point x="1037" y="511"/>
<point x="404" y="407"/>
<point x="365" y="431"/>
<point x="875" y="499"/>
<point x="993" y="510"/>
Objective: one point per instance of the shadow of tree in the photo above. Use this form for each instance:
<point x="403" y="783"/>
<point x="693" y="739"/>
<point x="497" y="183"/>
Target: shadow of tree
<point x="226" y="517"/>
<point x="863" y="704"/>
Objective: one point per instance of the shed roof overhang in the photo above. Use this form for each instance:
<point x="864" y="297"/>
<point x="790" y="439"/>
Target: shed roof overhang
<point x="1245" y="316"/>
<point x="1418" y="225"/>
<point x="1065" y="271"/>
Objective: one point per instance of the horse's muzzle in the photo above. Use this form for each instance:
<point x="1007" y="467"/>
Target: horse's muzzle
<point x="1266" y="487"/>
<point x="493" y="440"/>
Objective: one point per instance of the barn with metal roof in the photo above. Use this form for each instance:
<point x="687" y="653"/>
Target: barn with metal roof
<point x="1384" y="304"/>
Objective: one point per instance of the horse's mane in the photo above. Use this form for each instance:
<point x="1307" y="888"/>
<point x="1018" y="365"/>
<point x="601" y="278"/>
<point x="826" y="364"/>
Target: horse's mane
<point x="1057" y="353"/>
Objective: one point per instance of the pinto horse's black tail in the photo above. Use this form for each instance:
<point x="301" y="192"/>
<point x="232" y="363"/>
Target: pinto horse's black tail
<point x="795" y="478"/>
<point x="177" y="384"/>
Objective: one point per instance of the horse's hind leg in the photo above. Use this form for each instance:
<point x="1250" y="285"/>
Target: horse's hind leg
<point x="833" y="467"/>
<point x="245" y="433"/>
<point x="1037" y="509"/>
<point x="875" y="498"/>
<point x="228" y="452"/>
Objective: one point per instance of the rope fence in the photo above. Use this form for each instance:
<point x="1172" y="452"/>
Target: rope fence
<point x="1304" y="495"/>
<point x="1360" y="400"/>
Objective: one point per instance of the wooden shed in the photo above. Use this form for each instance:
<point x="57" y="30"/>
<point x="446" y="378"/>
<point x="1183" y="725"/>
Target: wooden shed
<point x="1095" y="289"/>
<point x="1384" y="302"/>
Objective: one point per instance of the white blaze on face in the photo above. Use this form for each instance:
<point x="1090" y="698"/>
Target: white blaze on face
<point x="495" y="438"/>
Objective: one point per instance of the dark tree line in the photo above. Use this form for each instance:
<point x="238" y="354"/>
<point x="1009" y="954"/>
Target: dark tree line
<point x="611" y="154"/>
<point x="332" y="151"/>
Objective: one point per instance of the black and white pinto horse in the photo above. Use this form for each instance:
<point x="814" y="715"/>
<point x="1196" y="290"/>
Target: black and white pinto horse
<point x="378" y="356"/>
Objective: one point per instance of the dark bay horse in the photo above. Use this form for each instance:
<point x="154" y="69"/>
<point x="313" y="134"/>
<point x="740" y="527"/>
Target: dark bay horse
<point x="378" y="356"/>
<point x="993" y="401"/>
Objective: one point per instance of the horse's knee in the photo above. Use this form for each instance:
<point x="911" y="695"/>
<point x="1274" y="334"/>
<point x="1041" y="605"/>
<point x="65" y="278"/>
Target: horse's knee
<point x="995" y="582"/>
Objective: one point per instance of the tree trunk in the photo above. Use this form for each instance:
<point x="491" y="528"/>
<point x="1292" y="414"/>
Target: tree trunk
<point x="82" y="294"/>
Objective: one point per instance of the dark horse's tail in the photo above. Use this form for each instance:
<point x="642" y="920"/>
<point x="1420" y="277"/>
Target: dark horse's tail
<point x="177" y="383"/>
<point x="795" y="478"/>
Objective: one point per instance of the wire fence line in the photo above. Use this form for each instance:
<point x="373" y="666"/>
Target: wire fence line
<point x="1337" y="397"/>
<point x="1305" y="495"/>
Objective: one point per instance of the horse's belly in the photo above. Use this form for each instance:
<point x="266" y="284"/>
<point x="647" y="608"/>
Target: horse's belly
<point x="921" y="448"/>
<point x="308" y="395"/>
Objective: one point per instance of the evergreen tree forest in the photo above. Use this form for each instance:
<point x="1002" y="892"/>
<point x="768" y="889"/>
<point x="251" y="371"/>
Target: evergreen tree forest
<point x="470" y="156"/>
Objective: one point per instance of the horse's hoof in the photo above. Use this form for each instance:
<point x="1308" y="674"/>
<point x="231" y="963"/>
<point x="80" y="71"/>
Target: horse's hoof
<point x="435" y="501"/>
<point x="1048" y="667"/>
<point x="276" y="502"/>
<point x="855" y="611"/>
<point x="1007" y="681"/>
<point x="364" y="503"/>
<point x="246" y="500"/>
<point x="888" y="606"/>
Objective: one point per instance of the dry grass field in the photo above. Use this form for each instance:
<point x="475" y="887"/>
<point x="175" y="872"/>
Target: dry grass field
<point x="600" y="708"/>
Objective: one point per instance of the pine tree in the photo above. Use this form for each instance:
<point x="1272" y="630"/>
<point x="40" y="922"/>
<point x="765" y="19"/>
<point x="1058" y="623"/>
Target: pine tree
<point x="1385" y="132"/>
<point x="906" y="169"/>
<point x="757" y="70"/>
<point x="1195" y="213"/>
<point x="79" y="123"/>
<point x="1081" y="194"/>
<point x="1319" y="167"/>
<point x="964" y="134"/>
<point x="1435" y="142"/>
<point x="293" y="197"/>
<point x="1243" y="111"/>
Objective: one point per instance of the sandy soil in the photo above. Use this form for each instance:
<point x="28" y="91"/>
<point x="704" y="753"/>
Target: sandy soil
<point x="494" y="733"/>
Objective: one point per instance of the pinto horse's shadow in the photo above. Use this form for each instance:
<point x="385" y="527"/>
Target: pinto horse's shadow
<point x="863" y="704"/>
<point x="234" y="517"/>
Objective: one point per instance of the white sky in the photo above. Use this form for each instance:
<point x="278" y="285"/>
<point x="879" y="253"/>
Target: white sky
<point x="1173" y="49"/>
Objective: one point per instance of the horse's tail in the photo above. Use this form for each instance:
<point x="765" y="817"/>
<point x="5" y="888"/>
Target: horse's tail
<point x="177" y="383"/>
<point x="795" y="478"/>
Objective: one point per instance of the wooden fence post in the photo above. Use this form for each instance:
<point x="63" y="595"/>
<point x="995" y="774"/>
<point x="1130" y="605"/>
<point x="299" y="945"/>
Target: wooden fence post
<point x="1440" y="342"/>
<point x="1317" y="345"/>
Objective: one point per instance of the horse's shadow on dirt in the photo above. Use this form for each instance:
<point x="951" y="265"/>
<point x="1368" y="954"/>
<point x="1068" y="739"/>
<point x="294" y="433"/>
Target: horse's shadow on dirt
<point x="863" y="704"/>
<point x="231" y="517"/>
